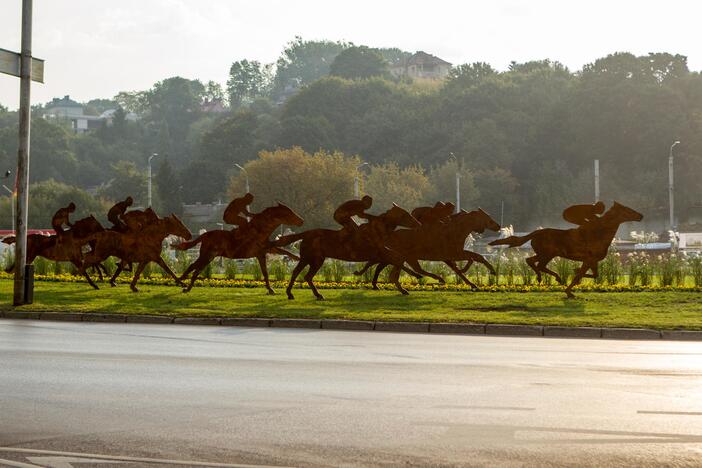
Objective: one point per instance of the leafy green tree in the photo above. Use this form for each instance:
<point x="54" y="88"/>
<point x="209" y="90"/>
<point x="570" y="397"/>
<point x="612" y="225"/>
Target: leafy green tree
<point x="388" y="183"/>
<point x="359" y="62"/>
<point x="127" y="180"/>
<point x="303" y="62"/>
<point x="313" y="185"/>
<point x="247" y="81"/>
<point x="443" y="181"/>
<point x="168" y="188"/>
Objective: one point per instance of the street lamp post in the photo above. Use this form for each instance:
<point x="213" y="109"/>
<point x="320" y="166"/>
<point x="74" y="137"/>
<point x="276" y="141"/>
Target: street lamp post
<point x="246" y="176"/>
<point x="148" y="187"/>
<point x="671" y="186"/>
<point x="357" y="181"/>
<point x="458" y="183"/>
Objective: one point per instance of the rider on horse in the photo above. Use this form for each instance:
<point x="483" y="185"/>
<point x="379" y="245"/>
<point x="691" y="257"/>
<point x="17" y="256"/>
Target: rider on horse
<point x="583" y="214"/>
<point x="433" y="214"/>
<point x="345" y="212"/>
<point x="238" y="207"/>
<point x="60" y="219"/>
<point x="116" y="212"/>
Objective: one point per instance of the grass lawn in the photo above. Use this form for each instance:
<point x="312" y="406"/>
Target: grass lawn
<point x="664" y="310"/>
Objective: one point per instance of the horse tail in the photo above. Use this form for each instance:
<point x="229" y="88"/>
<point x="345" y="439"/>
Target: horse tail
<point x="187" y="244"/>
<point x="514" y="241"/>
<point x="285" y="240"/>
<point x="9" y="240"/>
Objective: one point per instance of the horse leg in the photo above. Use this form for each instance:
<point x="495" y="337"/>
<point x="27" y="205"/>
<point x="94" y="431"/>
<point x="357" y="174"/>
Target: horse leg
<point x="476" y="257"/>
<point x="164" y="266"/>
<point x="80" y="266"/>
<point x="197" y="266"/>
<point x="364" y="269"/>
<point x="418" y="268"/>
<point x="595" y="272"/>
<point x="137" y="273"/>
<point x="543" y="267"/>
<point x="395" y="279"/>
<point x="264" y="271"/>
<point x="118" y="270"/>
<point x="460" y="273"/>
<point x="579" y="273"/>
<point x="284" y="252"/>
<point x="467" y="266"/>
<point x="532" y="262"/>
<point x="293" y="276"/>
<point x="381" y="266"/>
<point x="315" y="265"/>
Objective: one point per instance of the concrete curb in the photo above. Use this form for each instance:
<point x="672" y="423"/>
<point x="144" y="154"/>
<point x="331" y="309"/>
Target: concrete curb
<point x="365" y="325"/>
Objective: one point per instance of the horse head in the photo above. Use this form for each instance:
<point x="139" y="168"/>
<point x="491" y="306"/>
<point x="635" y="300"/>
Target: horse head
<point x="176" y="227"/>
<point x="486" y="221"/>
<point x="622" y="213"/>
<point x="287" y="216"/>
<point x="400" y="217"/>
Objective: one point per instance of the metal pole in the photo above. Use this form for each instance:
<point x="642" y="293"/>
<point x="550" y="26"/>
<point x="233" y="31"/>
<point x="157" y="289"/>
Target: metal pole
<point x="671" y="187"/>
<point x="597" y="180"/>
<point x="357" y="181"/>
<point x="502" y="213"/>
<point x="148" y="186"/>
<point x="23" y="154"/>
<point x="458" y="192"/>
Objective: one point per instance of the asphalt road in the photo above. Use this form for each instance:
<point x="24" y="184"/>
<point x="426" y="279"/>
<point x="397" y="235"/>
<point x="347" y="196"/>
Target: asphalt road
<point x="91" y="394"/>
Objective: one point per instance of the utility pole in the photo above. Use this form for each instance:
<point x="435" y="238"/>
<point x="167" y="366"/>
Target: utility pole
<point x="357" y="181"/>
<point x="20" y="286"/>
<point x="671" y="191"/>
<point x="148" y="187"/>
<point x="597" y="180"/>
<point x="458" y="183"/>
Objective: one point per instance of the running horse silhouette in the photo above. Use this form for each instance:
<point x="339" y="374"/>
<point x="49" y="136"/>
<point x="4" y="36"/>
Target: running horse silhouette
<point x="356" y="244"/>
<point x="588" y="243"/>
<point x="250" y="241"/>
<point x="68" y="250"/>
<point x="142" y="247"/>
<point x="439" y="241"/>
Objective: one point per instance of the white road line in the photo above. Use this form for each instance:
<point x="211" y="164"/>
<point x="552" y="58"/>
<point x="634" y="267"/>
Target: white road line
<point x="17" y="464"/>
<point x="125" y="458"/>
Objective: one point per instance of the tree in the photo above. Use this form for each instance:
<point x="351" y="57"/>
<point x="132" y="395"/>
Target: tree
<point x="387" y="183"/>
<point x="359" y="62"/>
<point x="168" y="189"/>
<point x="213" y="92"/>
<point x="127" y="181"/>
<point x="47" y="196"/>
<point x="247" y="81"/>
<point x="313" y="185"/>
<point x="303" y="62"/>
<point x="443" y="180"/>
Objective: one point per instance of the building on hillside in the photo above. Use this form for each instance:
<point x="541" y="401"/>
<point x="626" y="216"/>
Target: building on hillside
<point x="421" y="65"/>
<point x="67" y="109"/>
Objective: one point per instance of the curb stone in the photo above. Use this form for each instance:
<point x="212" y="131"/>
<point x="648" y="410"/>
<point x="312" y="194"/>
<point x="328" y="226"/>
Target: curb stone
<point x="631" y="333"/>
<point x="412" y="327"/>
<point x="16" y="314"/>
<point x="347" y="325"/>
<point x="62" y="317"/>
<point x="246" y="322"/>
<point x="149" y="319"/>
<point x="198" y="320"/>
<point x="681" y="335"/>
<point x="458" y="328"/>
<point x="573" y="332"/>
<point x="296" y="323"/>
<point x="514" y="330"/>
<point x="115" y="318"/>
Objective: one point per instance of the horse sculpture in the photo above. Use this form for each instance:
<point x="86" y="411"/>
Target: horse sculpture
<point x="249" y="241"/>
<point x="142" y="247"/>
<point x="439" y="242"/>
<point x="588" y="243"/>
<point x="68" y="250"/>
<point x="360" y="244"/>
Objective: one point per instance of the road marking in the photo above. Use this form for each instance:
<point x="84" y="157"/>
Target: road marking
<point x="17" y="464"/>
<point x="65" y="462"/>
<point x="682" y="413"/>
<point x="503" y="408"/>
<point x="122" y="458"/>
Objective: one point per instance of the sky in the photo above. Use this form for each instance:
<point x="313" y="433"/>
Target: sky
<point x="94" y="49"/>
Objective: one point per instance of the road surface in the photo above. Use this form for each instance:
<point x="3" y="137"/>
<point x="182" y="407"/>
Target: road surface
<point x="91" y="394"/>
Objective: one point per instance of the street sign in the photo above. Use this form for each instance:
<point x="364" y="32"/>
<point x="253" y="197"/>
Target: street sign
<point x="10" y="64"/>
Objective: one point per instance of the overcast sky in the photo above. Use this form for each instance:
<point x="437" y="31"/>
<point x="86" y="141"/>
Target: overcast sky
<point x="97" y="48"/>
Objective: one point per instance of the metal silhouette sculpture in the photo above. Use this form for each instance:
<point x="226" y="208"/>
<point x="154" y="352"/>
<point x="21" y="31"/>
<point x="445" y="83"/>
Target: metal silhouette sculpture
<point x="64" y="247"/>
<point x="588" y="243"/>
<point x="251" y="240"/>
<point x="580" y="215"/>
<point x="236" y="208"/>
<point x="351" y="243"/>
<point x="438" y="213"/>
<point x="141" y="246"/>
<point x="440" y="238"/>
<point x="114" y="215"/>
